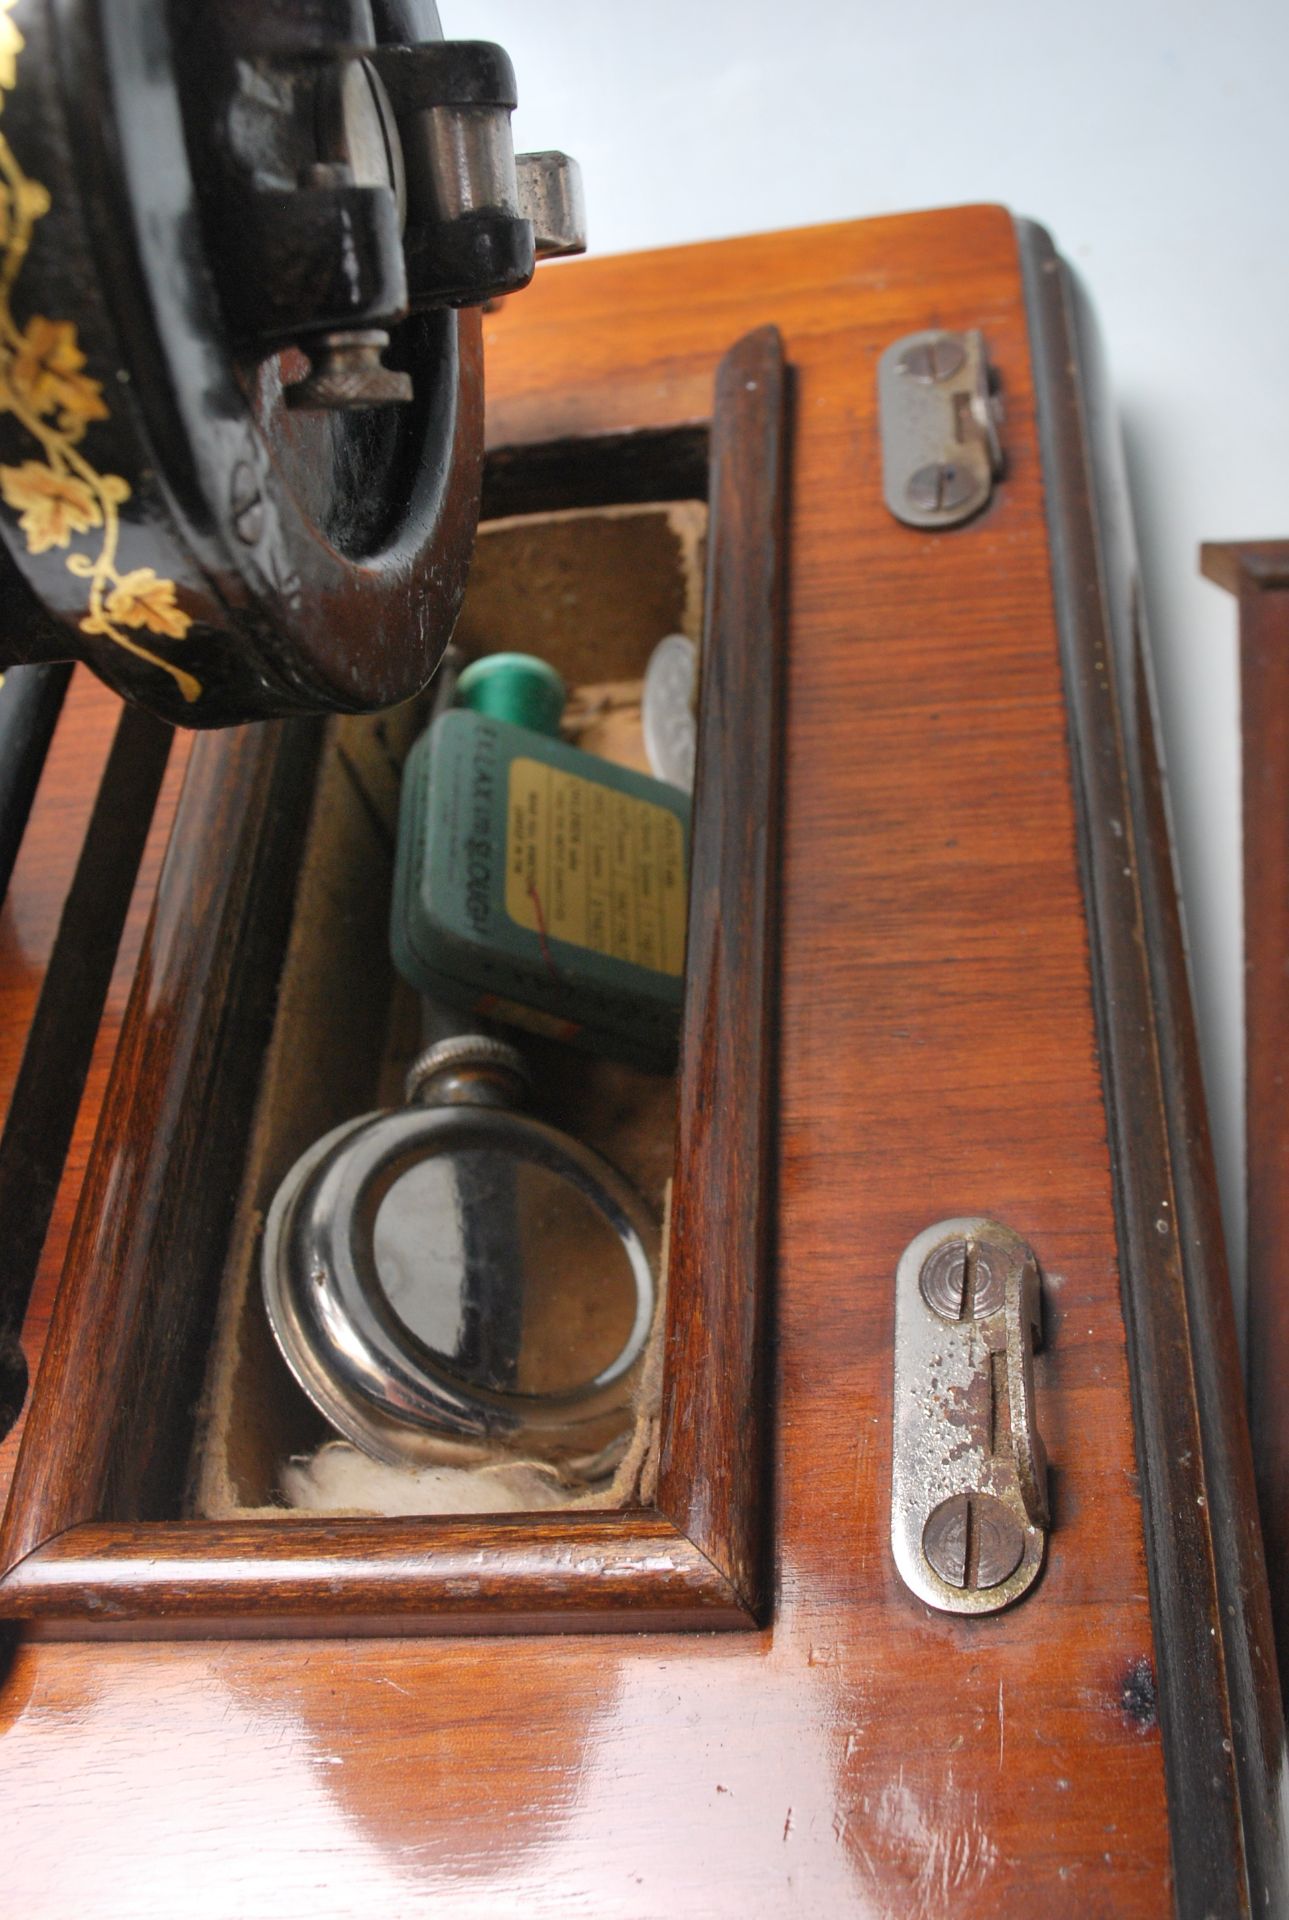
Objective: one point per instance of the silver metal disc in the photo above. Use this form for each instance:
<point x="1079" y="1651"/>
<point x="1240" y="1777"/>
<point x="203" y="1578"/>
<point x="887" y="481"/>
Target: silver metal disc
<point x="670" y="726"/>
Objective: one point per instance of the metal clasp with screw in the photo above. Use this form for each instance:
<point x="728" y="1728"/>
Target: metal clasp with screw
<point x="969" y="1512"/>
<point x="939" y="413"/>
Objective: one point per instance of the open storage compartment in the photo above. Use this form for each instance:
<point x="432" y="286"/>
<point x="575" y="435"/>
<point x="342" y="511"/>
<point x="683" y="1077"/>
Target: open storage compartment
<point x="590" y="591"/>
<point x="147" y="1498"/>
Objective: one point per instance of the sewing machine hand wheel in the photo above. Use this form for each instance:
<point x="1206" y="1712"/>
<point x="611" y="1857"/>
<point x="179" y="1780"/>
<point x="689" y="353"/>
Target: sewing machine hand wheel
<point x="242" y="253"/>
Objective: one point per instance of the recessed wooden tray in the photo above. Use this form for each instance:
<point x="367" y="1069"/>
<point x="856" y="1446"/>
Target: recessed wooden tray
<point x="90" y="1543"/>
<point x="590" y="589"/>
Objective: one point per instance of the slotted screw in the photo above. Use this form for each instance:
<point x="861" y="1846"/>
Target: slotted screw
<point x="973" y="1541"/>
<point x="931" y="361"/>
<point x="941" y="487"/>
<point x="963" y="1280"/>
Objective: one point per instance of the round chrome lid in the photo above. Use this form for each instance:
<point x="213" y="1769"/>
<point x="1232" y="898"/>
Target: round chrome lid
<point x="461" y="1270"/>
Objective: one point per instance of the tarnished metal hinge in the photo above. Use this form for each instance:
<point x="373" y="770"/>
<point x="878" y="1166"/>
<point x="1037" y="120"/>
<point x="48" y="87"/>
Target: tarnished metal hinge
<point x="939" y="412"/>
<point x="969" y="1513"/>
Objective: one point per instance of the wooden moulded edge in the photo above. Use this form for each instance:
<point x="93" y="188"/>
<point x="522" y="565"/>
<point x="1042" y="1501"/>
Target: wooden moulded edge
<point x="1218" y="1697"/>
<point x="1257" y="573"/>
<point x="134" y="1305"/>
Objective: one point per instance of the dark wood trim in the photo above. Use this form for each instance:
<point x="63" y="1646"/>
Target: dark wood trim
<point x="1218" y="1697"/>
<point x="597" y="470"/>
<point x="1246" y="566"/>
<point x="156" y="1207"/>
<point x="60" y="1041"/>
<point x="30" y="704"/>
<point x="513" y="1574"/>
<point x="713" y="1443"/>
<point x="89" y="1542"/>
<point x="1257" y="572"/>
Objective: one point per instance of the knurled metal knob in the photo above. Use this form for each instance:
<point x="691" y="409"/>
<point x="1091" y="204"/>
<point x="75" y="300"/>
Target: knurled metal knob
<point x="469" y="1068"/>
<point x="347" y="371"/>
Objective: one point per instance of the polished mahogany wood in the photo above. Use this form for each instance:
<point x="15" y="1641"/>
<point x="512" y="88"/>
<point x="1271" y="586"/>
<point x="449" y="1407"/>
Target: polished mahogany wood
<point x="937" y="1053"/>
<point x="711" y="1468"/>
<point x="163" y="1176"/>
<point x="505" y="1574"/>
<point x="1257" y="572"/>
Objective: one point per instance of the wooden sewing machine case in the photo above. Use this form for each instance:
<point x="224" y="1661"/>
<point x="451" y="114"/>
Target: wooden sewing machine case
<point x="935" y="970"/>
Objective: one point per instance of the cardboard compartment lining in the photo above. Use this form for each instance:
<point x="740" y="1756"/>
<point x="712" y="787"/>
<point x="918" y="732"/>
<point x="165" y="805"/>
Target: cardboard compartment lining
<point x="593" y="592"/>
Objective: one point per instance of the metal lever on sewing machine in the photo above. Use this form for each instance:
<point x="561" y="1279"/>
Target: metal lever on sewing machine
<point x="969" y="1511"/>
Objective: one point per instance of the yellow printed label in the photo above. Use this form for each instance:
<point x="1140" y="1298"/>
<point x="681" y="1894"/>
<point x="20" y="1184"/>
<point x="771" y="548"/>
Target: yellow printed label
<point x="595" y="867"/>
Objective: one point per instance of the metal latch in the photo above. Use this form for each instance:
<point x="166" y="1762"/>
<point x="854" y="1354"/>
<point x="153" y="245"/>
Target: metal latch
<point x="938" y="412"/>
<point x="969" y="1511"/>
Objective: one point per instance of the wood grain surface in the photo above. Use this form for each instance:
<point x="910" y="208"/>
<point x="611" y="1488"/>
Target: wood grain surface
<point x="123" y="1355"/>
<point x="1257" y="572"/>
<point x="936" y="1056"/>
<point x="712" y="1465"/>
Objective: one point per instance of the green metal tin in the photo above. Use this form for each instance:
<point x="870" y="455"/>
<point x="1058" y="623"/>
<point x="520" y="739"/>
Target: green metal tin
<point x="543" y="886"/>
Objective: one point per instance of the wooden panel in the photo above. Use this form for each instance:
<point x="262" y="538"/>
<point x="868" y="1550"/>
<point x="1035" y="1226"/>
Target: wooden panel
<point x="936" y="1056"/>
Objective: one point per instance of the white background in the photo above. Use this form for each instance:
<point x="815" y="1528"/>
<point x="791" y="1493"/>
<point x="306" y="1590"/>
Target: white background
<point x="1151" y="138"/>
